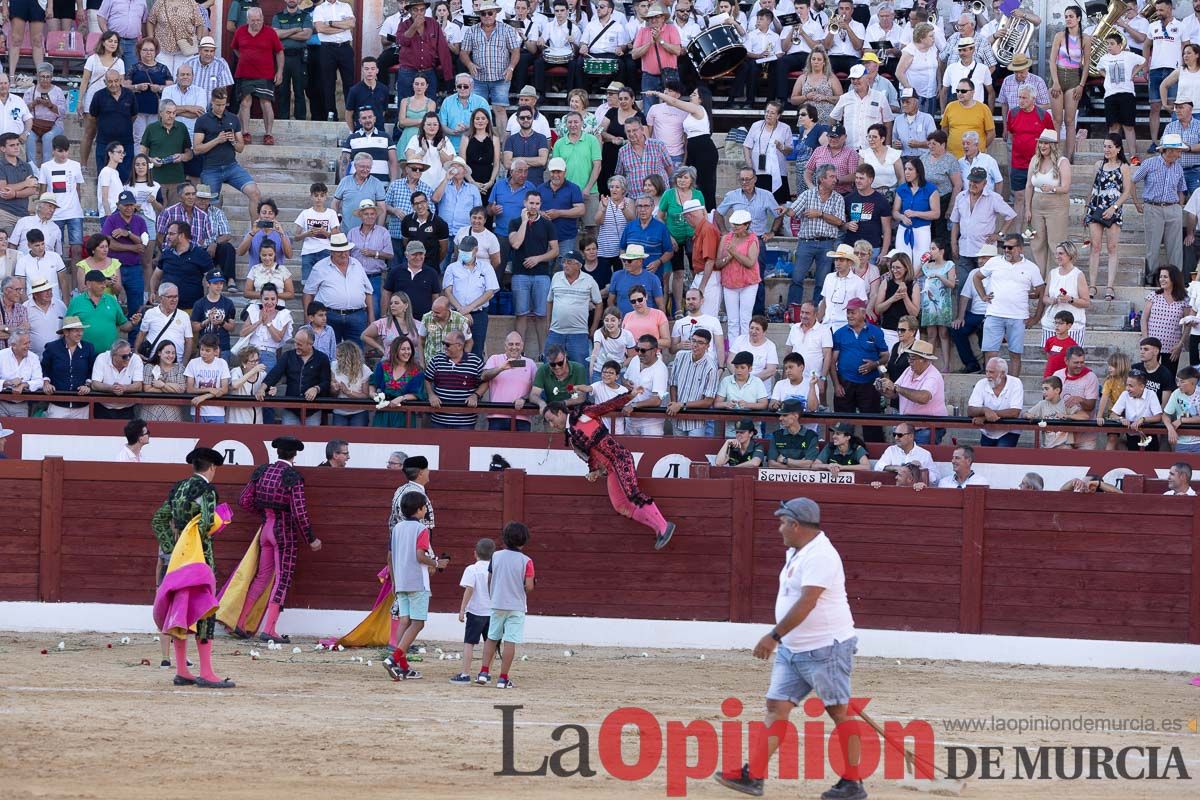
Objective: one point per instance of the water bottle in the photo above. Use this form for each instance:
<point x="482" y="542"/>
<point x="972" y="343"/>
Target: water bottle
<point x="779" y="270"/>
<point x="71" y="40"/>
<point x="73" y="98"/>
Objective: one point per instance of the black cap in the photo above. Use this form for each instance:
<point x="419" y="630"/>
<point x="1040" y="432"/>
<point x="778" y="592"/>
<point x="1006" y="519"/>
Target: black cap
<point x="95" y="276"/>
<point x="843" y="427"/>
<point x="791" y="407"/>
<point x="214" y="276"/>
<point x="205" y="454"/>
<point x="837" y="129"/>
<point x="499" y="463"/>
<point x="977" y="174"/>
<point x="744" y="357"/>
<point x="287" y="443"/>
<point x="573" y="255"/>
<point x="126" y="199"/>
<point x="745" y="425"/>
<point x="416" y="462"/>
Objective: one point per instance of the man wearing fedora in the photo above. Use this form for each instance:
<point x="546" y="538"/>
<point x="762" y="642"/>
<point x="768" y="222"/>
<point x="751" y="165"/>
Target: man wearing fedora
<point x="340" y="282"/>
<point x="977" y="220"/>
<point x="839" y="288"/>
<point x="422" y="50"/>
<point x="633" y="274"/>
<point x="42" y="218"/>
<point x="45" y="313"/>
<point x="921" y="388"/>
<point x="219" y="241"/>
<point x="490" y="53"/>
<point x="657" y="46"/>
<point x="1164" y="191"/>
<point x="398" y="201"/>
<point x="67" y="369"/>
<point x="373" y="244"/>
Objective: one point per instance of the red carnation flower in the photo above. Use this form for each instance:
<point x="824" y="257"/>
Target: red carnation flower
<point x="570" y="387"/>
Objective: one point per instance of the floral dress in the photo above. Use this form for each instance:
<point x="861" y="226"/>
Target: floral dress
<point x="163" y="413"/>
<point x="1164" y="318"/>
<point x="393" y="386"/>
<point x="824" y="89"/>
<point x="937" y="300"/>
<point x="1106" y="190"/>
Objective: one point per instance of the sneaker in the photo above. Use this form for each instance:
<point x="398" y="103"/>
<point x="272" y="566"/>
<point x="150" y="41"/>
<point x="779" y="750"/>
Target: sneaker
<point x="413" y="675"/>
<point x="505" y="683"/>
<point x="845" y="790"/>
<point x="484" y="679"/>
<point x="393" y="669"/>
<point x="1153" y="148"/>
<point x="165" y="663"/>
<point x="661" y="541"/>
<point x="742" y="782"/>
<point x="461" y="678"/>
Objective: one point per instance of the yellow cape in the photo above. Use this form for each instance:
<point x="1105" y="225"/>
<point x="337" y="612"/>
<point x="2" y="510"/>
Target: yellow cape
<point x="233" y="596"/>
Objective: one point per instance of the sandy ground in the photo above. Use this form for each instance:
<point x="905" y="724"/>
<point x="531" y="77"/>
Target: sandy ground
<point x="94" y="722"/>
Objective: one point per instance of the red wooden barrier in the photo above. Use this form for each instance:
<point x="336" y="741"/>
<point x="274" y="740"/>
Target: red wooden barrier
<point x="977" y="561"/>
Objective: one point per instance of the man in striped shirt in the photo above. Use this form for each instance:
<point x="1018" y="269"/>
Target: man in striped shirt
<point x="693" y="385"/>
<point x="209" y="70"/>
<point x="642" y="157"/>
<point x="373" y="141"/>
<point x="453" y="378"/>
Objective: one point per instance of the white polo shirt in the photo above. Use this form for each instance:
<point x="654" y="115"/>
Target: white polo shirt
<point x="1011" y="396"/>
<point x="179" y="331"/>
<point x="333" y="12"/>
<point x="815" y="564"/>
<point x="48" y="267"/>
<point x="860" y="113"/>
<point x="469" y="283"/>
<point x="811" y="344"/>
<point x="951" y="482"/>
<point x="44" y="325"/>
<point x="337" y="290"/>
<point x="104" y="371"/>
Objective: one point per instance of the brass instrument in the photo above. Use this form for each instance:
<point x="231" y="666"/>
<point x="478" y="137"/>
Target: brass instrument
<point x="1015" y="35"/>
<point x="1150" y="13"/>
<point x="1105" y="26"/>
<point x="933" y="17"/>
<point x="834" y="27"/>
<point x="977" y="7"/>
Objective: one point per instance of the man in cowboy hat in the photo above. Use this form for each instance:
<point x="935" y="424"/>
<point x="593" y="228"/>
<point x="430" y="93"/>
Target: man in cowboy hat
<point x="422" y="50"/>
<point x="1020" y="77"/>
<point x="45" y="313"/>
<point x="67" y="368"/>
<point x="1163" y="195"/>
<point x="921" y="388"/>
<point x="840" y="287"/>
<point x="456" y="196"/>
<point x="657" y="46"/>
<point x="633" y="275"/>
<point x="340" y="283"/>
<point x="490" y="53"/>
<point x="373" y="244"/>
<point x="398" y="201"/>
<point x="42" y="219"/>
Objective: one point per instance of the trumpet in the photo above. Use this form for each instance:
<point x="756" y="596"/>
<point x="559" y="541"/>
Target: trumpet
<point x="977" y="7"/>
<point x="834" y="27"/>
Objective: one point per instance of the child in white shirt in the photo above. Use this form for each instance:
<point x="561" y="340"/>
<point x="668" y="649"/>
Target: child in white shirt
<point x="476" y="608"/>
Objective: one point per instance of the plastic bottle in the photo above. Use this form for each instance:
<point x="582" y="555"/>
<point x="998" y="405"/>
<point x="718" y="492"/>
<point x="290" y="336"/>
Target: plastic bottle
<point x="779" y="270"/>
<point x="73" y="98"/>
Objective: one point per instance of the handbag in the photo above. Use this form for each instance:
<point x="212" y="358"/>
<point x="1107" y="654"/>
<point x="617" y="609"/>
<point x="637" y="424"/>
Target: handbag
<point x="187" y="47"/>
<point x="147" y="348"/>
<point x="667" y="74"/>
<point x="42" y="126"/>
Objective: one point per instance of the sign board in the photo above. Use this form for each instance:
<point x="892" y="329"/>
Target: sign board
<point x="804" y="476"/>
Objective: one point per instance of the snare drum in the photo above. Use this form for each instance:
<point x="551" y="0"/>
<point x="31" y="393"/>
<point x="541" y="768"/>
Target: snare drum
<point x="717" y="51"/>
<point x="600" y="66"/>
<point x="558" y="55"/>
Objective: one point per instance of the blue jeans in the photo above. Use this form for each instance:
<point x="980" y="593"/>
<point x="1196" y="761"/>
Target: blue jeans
<point x="308" y="261"/>
<point x="290" y="416"/>
<point x="234" y="174"/>
<point x="47" y="150"/>
<point x="972" y="326"/>
<point x="650" y="82"/>
<point x="1009" y="439"/>
<point x="377" y="287"/>
<point x="348" y="326"/>
<point x="134" y="282"/>
<point x="577" y="345"/>
<point x="129" y="52"/>
<point x="506" y="425"/>
<point x="810" y="256"/>
<point x="479" y="329"/>
<point x="1191" y="176"/>
<point x="923" y="436"/>
<point x="358" y="420"/>
<point x="404" y="82"/>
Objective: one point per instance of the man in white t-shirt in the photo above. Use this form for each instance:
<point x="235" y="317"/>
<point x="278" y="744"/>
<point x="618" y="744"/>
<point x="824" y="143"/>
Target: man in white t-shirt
<point x="996" y="396"/>
<point x="906" y="451"/>
<point x="1014" y="281"/>
<point x="840" y="287"/>
<point x="814" y="341"/>
<point x="693" y="317"/>
<point x="42" y="264"/>
<point x="1164" y="54"/>
<point x="165" y="322"/>
<point x="648" y="381"/>
<point x="62" y="177"/>
<point x="962" y="470"/>
<point x="812" y="613"/>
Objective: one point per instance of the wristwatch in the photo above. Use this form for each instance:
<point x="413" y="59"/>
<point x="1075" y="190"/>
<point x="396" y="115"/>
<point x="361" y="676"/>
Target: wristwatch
<point x="775" y="635"/>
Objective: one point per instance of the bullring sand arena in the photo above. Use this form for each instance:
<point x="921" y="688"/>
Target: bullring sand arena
<point x="94" y="721"/>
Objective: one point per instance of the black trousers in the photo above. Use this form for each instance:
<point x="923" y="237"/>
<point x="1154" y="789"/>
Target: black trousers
<point x="312" y="84"/>
<point x="336" y="59"/>
<point x="526" y="63"/>
<point x="294" y="69"/>
<point x="860" y="398"/>
<point x="103" y="412"/>
<point x="225" y="259"/>
<point x="785" y="64"/>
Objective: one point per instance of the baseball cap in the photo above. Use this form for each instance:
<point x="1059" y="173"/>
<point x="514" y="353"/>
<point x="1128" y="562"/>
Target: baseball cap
<point x="126" y="199"/>
<point x="791" y="406"/>
<point x="414" y="247"/>
<point x="95" y="276"/>
<point x="907" y="92"/>
<point x="573" y="255"/>
<point x="800" y="509"/>
<point x="977" y="174"/>
<point x="214" y="276"/>
<point x="857" y="71"/>
<point x="557" y="165"/>
<point x="745" y="425"/>
<point x="856" y="302"/>
<point x="837" y="130"/>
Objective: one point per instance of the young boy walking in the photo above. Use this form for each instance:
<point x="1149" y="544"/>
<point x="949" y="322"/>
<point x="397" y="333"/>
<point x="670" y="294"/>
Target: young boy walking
<point x="476" y="605"/>
<point x="411" y="557"/>
<point x="511" y="580"/>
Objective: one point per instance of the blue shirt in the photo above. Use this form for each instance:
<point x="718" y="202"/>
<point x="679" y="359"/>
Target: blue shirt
<point x="851" y="349"/>
<point x="510" y="200"/>
<point x="452" y="114"/>
<point x="622" y="282"/>
<point x="761" y="206"/>
<point x="114" y="116"/>
<point x="455" y="206"/>
<point x="350" y="193"/>
<point x="362" y="95"/>
<point x="567" y="196"/>
<point x="528" y="147"/>
<point x="654" y="237"/>
<point x="186" y="270"/>
<point x="147" y="101"/>
<point x="64" y="371"/>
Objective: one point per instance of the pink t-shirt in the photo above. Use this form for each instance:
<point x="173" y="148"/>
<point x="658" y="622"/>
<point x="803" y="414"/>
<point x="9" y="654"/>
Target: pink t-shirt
<point x="931" y="381"/>
<point x="510" y="384"/>
<point x="642" y="324"/>
<point x="667" y="122"/>
<point x="655" y="59"/>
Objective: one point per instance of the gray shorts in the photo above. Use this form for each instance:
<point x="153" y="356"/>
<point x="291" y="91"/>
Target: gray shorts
<point x="825" y="671"/>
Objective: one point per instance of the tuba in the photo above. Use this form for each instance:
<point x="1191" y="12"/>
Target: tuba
<point x="1105" y="26"/>
<point x="1149" y="13"/>
<point x="1015" y="35"/>
<point x="976" y="8"/>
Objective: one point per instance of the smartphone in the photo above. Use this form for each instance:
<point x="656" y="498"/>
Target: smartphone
<point x="264" y="224"/>
<point x="516" y="362"/>
<point x="446" y="556"/>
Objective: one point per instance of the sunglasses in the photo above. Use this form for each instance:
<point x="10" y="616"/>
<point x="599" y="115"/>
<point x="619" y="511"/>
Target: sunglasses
<point x="487" y="13"/>
<point x="463" y="86"/>
<point x="899" y="434"/>
<point x="558" y="363"/>
<point x="125" y="357"/>
<point x="637" y="299"/>
<point x="964" y="91"/>
<point x="645" y="349"/>
<point x="1010" y="247"/>
<point x="525" y="117"/>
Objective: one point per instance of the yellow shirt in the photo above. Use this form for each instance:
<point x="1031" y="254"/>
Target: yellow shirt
<point x="957" y="120"/>
<point x="112" y="269"/>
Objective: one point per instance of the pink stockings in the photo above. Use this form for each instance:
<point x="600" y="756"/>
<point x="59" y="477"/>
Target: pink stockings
<point x="647" y="515"/>
<point x="205" y="649"/>
<point x="269" y="567"/>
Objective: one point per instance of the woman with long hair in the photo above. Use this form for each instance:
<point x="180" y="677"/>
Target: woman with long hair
<point x="896" y="297"/>
<point x="1119" y="366"/>
<point x="817" y="84"/>
<point x="481" y="151"/>
<point x="268" y="327"/>
<point x="268" y="270"/>
<point x="397" y="323"/>
<point x="615" y="212"/>
<point x="244" y="381"/>
<point x="432" y="147"/>
<point x="1112" y="188"/>
<point x="1047" y="198"/>
<point x="349" y="382"/>
<point x="737" y="258"/>
<point x="812" y="134"/>
<point x="412" y="113"/>
<point x="444" y="16"/>
<point x="106" y="56"/>
<point x="1165" y="307"/>
<point x="918" y="69"/>
<point x="670" y="210"/>
<point x="612" y="138"/>
<point x="1066" y="289"/>
<point x="108" y="181"/>
<point x="767" y="146"/>
<point x="401" y="381"/>
<point x="147" y="192"/>
<point x="937" y="279"/>
<point x="1185" y="78"/>
<point x="163" y="374"/>
<point x="916" y="205"/>
<point x="1070" y="50"/>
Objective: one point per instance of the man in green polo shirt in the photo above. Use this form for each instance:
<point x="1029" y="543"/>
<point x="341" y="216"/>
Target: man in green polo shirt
<point x="792" y="446"/>
<point x="168" y="146"/>
<point x="581" y="151"/>
<point x="559" y="379"/>
<point x="100" y="312"/>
